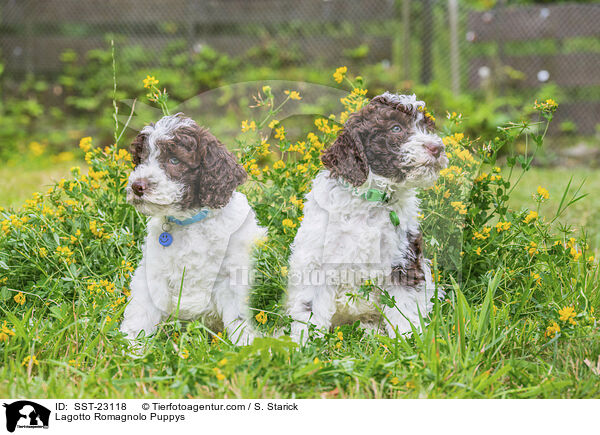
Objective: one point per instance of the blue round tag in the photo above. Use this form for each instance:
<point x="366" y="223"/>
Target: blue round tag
<point x="165" y="239"/>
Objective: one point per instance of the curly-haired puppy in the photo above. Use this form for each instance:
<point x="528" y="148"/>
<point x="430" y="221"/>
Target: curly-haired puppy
<point x="361" y="222"/>
<point x="199" y="234"/>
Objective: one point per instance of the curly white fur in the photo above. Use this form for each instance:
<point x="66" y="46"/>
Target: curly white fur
<point x="345" y="240"/>
<point x="200" y="274"/>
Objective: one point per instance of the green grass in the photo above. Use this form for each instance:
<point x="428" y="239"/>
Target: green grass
<point x="23" y="178"/>
<point x="485" y="339"/>
<point x="465" y="352"/>
<point x="583" y="215"/>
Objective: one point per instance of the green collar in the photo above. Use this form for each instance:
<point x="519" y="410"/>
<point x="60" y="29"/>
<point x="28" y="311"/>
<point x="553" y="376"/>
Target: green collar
<point x="371" y="194"/>
<point x="374" y="195"/>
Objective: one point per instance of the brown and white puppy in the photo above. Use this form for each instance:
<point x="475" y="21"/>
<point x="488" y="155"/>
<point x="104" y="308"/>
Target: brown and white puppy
<point x="361" y="221"/>
<point x="199" y="234"/>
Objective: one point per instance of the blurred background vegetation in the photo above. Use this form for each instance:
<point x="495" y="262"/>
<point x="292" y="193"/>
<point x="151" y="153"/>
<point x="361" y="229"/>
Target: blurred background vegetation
<point x="486" y="59"/>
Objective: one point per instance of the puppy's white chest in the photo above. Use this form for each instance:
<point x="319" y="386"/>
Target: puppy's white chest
<point x="182" y="274"/>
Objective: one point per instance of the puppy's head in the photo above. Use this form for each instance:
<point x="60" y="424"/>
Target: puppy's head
<point x="390" y="137"/>
<point x="180" y="166"/>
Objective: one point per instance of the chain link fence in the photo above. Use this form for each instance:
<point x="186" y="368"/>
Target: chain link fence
<point x="505" y="50"/>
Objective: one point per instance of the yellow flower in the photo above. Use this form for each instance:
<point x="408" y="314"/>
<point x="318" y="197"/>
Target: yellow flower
<point x="20" y="298"/>
<point x="297" y="202"/>
<point x="5" y="332"/>
<point x="502" y="226"/>
<point x="482" y="177"/>
<point x="547" y="106"/>
<point x="359" y="91"/>
<point x="30" y="360"/>
<point x="478" y="251"/>
<point x="85" y="144"/>
<point x="459" y="207"/>
<point x="537" y="278"/>
<point x="533" y="215"/>
<point x="340" y="73"/>
<point x="532" y="248"/>
<point x="273" y="123"/>
<point x="284" y="271"/>
<point x="247" y="126"/>
<point x="217" y="338"/>
<point x="484" y="234"/>
<point x="65" y="253"/>
<point x="542" y="193"/>
<point x="552" y="330"/>
<point x="218" y="373"/>
<point x="294" y="95"/>
<point x="280" y="133"/>
<point x="279" y="164"/>
<point x="338" y="345"/>
<point x="65" y="156"/>
<point x="37" y="149"/>
<point x="567" y="314"/>
<point x="288" y="223"/>
<point x="340" y="335"/>
<point x="395" y="380"/>
<point x="150" y="81"/>
<point x="261" y="317"/>
<point x="260" y="242"/>
<point x="184" y="354"/>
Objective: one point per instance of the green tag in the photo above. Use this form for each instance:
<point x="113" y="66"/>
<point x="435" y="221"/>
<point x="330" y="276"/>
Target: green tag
<point x="394" y="218"/>
<point x="374" y="195"/>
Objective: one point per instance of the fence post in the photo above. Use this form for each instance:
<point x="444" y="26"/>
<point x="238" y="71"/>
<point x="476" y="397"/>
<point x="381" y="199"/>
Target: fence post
<point x="406" y="52"/>
<point x="28" y="52"/>
<point x="427" y="30"/>
<point x="190" y="27"/>
<point x="454" y="52"/>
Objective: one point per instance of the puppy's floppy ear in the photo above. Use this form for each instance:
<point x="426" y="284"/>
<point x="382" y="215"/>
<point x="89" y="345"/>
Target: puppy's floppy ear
<point x="136" y="148"/>
<point x="218" y="173"/>
<point x="346" y="158"/>
<point x="189" y="138"/>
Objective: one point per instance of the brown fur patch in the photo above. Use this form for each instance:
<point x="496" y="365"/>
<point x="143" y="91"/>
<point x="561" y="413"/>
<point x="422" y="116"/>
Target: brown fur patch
<point x="139" y="149"/>
<point x="367" y="141"/>
<point x="207" y="169"/>
<point x="412" y="274"/>
<point x="346" y="158"/>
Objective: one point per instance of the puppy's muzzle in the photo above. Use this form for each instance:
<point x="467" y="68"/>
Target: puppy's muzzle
<point x="139" y="187"/>
<point x="434" y="148"/>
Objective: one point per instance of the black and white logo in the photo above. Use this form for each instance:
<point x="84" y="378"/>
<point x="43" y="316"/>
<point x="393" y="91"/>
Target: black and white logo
<point x="26" y="415"/>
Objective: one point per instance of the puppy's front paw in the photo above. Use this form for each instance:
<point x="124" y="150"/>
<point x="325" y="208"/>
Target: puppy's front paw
<point x="240" y="333"/>
<point x="132" y="330"/>
<point x="246" y="338"/>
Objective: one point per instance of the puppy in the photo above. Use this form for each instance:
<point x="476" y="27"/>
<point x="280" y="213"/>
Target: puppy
<point x="361" y="222"/>
<point x="199" y="234"/>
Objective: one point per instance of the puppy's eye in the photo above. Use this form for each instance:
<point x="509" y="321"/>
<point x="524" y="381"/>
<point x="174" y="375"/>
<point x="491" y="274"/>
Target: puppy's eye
<point x="174" y="161"/>
<point x="396" y="129"/>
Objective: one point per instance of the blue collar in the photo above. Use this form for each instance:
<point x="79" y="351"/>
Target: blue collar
<point x="201" y="215"/>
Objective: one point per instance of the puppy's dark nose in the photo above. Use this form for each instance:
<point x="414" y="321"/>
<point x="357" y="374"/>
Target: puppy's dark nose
<point x="434" y="148"/>
<point x="139" y="187"/>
